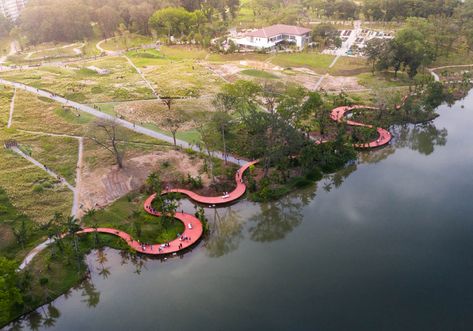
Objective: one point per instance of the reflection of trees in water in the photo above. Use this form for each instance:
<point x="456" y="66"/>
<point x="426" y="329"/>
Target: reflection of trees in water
<point x="50" y="316"/>
<point x="278" y="218"/>
<point x="138" y="261"/>
<point x="90" y="294"/>
<point x="225" y="232"/>
<point x="46" y="316"/>
<point x="101" y="259"/>
<point x="336" y="180"/>
<point x="421" y="137"/>
<point x="34" y="320"/>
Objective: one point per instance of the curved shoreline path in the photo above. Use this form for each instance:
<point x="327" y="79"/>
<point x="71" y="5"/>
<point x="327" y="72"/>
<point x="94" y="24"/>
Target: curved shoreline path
<point x="236" y="194"/>
<point x="384" y="136"/>
<point x="193" y="229"/>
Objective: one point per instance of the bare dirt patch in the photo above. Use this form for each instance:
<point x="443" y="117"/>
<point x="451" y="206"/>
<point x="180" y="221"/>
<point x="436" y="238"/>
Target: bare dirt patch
<point x="6" y="236"/>
<point x="155" y="112"/>
<point x="338" y="83"/>
<point x="100" y="187"/>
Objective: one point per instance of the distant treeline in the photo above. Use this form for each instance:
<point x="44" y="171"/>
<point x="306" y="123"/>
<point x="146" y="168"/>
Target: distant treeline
<point x="72" y="20"/>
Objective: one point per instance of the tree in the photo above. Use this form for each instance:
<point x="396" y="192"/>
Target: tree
<point x="21" y="234"/>
<point x="326" y="35"/>
<point x="56" y="20"/>
<point x="374" y="50"/>
<point x="225" y="104"/>
<point x="5" y="26"/>
<point x="109" y="135"/>
<point x="108" y="19"/>
<point x="173" y="121"/>
<point x="153" y="183"/>
<point x="412" y="49"/>
<point x="9" y="293"/>
<point x="171" y="21"/>
<point x="124" y="33"/>
<point x="72" y="225"/>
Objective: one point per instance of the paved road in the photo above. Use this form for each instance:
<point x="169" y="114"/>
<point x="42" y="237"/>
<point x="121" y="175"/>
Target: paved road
<point x="12" y="108"/>
<point x="126" y="124"/>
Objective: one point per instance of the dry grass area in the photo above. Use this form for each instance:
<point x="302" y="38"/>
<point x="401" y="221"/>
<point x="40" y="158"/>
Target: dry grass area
<point x="174" y="72"/>
<point x="182" y="78"/>
<point x="60" y="154"/>
<point x="6" y="95"/>
<point x="154" y="111"/>
<point x="101" y="186"/>
<point x="35" y="113"/>
<point x="77" y="82"/>
<point x="31" y="190"/>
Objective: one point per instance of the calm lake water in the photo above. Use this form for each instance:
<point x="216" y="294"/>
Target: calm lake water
<point x="387" y="244"/>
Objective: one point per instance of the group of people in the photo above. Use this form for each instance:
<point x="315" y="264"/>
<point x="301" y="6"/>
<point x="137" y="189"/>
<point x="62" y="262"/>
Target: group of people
<point x="10" y="143"/>
<point x="144" y="246"/>
<point x="165" y="245"/>
<point x="184" y="238"/>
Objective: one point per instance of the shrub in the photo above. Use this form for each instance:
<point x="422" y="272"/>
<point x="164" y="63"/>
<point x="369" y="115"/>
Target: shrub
<point x="96" y="89"/>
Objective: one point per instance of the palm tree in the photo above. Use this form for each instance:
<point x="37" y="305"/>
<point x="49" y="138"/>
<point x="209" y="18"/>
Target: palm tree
<point x="73" y="226"/>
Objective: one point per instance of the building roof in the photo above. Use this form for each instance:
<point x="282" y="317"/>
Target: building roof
<point x="278" y="29"/>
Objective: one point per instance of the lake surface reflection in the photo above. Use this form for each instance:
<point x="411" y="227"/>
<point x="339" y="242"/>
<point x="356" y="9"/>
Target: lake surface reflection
<point x="385" y="244"/>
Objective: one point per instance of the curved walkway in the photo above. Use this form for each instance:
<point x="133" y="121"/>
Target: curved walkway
<point x="384" y="137"/>
<point x="236" y="194"/>
<point x="193" y="228"/>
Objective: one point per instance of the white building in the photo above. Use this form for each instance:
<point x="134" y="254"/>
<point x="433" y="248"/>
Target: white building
<point x="269" y="37"/>
<point x="12" y="8"/>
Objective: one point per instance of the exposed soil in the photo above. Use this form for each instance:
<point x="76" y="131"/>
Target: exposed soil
<point x="338" y="83"/>
<point x="100" y="187"/>
<point x="303" y="76"/>
<point x="148" y="111"/>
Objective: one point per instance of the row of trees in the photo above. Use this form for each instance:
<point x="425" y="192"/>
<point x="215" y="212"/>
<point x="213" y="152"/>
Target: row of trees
<point x="72" y="20"/>
<point x="294" y="11"/>
<point x="419" y="43"/>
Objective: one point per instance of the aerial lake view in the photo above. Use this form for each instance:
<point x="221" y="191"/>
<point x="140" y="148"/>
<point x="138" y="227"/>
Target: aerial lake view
<point x="385" y="244"/>
<point x="236" y="165"/>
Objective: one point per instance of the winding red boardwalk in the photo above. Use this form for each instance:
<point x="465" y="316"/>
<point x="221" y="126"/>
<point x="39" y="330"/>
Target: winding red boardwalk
<point x="192" y="225"/>
<point x="236" y="194"/>
<point x="193" y="229"/>
<point x="384" y="137"/>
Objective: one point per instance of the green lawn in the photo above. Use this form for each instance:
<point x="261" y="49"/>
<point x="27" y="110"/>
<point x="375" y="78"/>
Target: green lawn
<point x="350" y="66"/>
<point x="184" y="52"/>
<point x="383" y="80"/>
<point x="258" y="74"/>
<point x="312" y="60"/>
<point x="126" y="42"/>
<point x="120" y="215"/>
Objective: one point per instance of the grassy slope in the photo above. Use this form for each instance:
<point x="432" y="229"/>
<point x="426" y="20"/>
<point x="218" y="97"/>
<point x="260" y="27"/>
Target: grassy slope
<point x="80" y="84"/>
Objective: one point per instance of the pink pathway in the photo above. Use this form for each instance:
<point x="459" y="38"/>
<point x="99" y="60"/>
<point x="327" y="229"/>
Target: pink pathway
<point x="236" y="194"/>
<point x="192" y="225"/>
<point x="193" y="229"/>
<point x="384" y="137"/>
